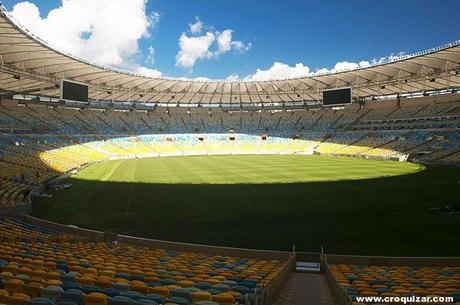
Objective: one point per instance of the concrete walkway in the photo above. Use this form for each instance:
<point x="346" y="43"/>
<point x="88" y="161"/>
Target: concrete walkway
<point x="306" y="289"/>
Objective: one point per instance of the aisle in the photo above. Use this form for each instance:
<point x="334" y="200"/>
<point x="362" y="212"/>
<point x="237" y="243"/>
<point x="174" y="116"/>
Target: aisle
<point x="306" y="289"/>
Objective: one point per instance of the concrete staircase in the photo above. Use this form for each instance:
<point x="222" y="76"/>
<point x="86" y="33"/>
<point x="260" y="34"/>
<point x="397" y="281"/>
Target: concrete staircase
<point x="306" y="289"/>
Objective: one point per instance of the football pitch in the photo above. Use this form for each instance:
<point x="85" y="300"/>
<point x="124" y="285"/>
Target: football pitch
<point x="242" y="169"/>
<point x="346" y="205"/>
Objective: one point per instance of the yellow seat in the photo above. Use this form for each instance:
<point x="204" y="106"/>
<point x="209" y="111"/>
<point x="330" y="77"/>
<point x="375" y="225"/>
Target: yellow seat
<point x="103" y="282"/>
<point x="198" y="296"/>
<point x="163" y="291"/>
<point x="90" y="271"/>
<point x="139" y="286"/>
<point x="95" y="298"/>
<point x="185" y="283"/>
<point x="85" y="280"/>
<point x="152" y="279"/>
<point x="33" y="289"/>
<point x="6" y="274"/>
<point x="368" y="293"/>
<point x="213" y="281"/>
<point x="224" y="299"/>
<point x="3" y="295"/>
<point x="53" y="275"/>
<point x="18" y="299"/>
<point x="14" y="285"/>
<point x="235" y="294"/>
<point x="53" y="283"/>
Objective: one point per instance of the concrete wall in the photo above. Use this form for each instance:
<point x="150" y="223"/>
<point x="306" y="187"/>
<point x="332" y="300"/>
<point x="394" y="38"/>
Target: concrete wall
<point x="16" y="211"/>
<point x="215" y="250"/>
<point x="162" y="244"/>
<point x="90" y="234"/>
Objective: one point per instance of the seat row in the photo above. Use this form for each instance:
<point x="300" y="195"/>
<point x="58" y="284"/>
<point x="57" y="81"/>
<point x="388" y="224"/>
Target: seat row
<point x="44" y="263"/>
<point x="397" y="281"/>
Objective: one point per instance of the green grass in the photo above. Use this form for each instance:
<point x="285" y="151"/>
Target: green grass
<point x="243" y="169"/>
<point x="246" y="201"/>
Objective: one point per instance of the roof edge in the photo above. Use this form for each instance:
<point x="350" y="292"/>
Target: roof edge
<point x="38" y="39"/>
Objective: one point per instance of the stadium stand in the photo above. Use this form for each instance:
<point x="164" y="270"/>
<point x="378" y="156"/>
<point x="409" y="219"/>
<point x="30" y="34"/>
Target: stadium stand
<point x="415" y="280"/>
<point x="39" y="143"/>
<point x="45" y="266"/>
<point x="397" y="281"/>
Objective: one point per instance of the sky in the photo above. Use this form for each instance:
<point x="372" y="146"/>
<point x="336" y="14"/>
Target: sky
<point x="239" y="39"/>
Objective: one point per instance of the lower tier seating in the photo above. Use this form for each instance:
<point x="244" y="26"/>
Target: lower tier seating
<point x="42" y="266"/>
<point x="397" y="281"/>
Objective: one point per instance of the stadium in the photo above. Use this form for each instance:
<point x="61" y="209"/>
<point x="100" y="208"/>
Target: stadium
<point x="122" y="188"/>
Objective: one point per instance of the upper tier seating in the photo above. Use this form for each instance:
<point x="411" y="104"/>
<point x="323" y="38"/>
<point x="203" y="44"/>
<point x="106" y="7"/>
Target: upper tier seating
<point x="39" y="143"/>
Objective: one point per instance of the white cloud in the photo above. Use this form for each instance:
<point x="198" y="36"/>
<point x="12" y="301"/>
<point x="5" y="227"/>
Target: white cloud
<point x="391" y="57"/>
<point x="202" y="79"/>
<point x="154" y="18"/>
<point x="150" y="56"/>
<point x="280" y="70"/>
<point x="194" y="48"/>
<point x="240" y="46"/>
<point x="146" y="71"/>
<point x="233" y="77"/>
<point x="104" y="31"/>
<point x="364" y="64"/>
<point x="344" y="66"/>
<point x="225" y="43"/>
<point x="209" y="45"/>
<point x="195" y="28"/>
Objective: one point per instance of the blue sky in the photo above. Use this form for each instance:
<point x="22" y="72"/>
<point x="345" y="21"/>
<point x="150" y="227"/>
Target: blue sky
<point x="316" y="34"/>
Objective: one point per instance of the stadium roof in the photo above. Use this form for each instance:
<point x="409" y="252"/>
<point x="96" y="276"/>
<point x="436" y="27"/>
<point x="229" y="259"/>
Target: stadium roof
<point x="31" y="66"/>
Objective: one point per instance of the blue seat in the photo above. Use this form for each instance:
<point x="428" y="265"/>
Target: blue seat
<point x="52" y="292"/>
<point x="203" y="285"/>
<point x="137" y="277"/>
<point x="63" y="267"/>
<point x="181" y="292"/>
<point x="221" y="287"/>
<point x="73" y="296"/>
<point x="90" y="289"/>
<point x="69" y="277"/>
<point x="212" y="273"/>
<point x="70" y="285"/>
<point x="124" y="276"/>
<point x="41" y="301"/>
<point x="249" y="284"/>
<point x="155" y="297"/>
<point x="131" y="294"/>
<point x="241" y="289"/>
<point x="121" y="286"/>
<point x="111" y="292"/>
<point x="213" y="291"/>
<point x="168" y="281"/>
<point x="235" y="278"/>
<point x="456" y="296"/>
<point x="178" y="300"/>
<point x="146" y="302"/>
<point x="121" y="300"/>
<point x="229" y="283"/>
